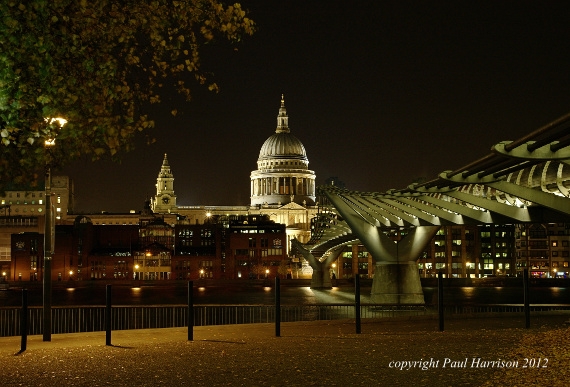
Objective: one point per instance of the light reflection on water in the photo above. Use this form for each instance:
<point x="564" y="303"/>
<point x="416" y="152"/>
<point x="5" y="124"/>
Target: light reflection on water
<point x="159" y="295"/>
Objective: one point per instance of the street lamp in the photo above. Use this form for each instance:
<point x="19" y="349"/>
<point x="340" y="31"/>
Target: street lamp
<point x="49" y="232"/>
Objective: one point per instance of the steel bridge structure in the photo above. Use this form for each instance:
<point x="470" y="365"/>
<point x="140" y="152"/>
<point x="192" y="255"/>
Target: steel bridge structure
<point x="522" y="181"/>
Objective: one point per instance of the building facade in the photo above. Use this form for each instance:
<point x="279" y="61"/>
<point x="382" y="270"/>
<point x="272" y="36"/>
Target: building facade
<point x="22" y="210"/>
<point x="224" y="248"/>
<point x="543" y="249"/>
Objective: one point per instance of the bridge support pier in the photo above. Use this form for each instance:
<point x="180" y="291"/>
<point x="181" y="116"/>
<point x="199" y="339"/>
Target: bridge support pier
<point x="396" y="279"/>
<point x="321" y="279"/>
<point x="321" y="276"/>
<point x="396" y="283"/>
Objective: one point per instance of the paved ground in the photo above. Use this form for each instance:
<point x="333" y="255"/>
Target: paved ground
<point x="315" y="353"/>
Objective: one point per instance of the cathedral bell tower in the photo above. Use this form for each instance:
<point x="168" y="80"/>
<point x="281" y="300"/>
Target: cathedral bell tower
<point x="164" y="200"/>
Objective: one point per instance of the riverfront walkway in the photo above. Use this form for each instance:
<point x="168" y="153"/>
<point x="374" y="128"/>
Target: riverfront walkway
<point x="322" y="353"/>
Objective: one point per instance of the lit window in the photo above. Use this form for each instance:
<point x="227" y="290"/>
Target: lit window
<point x="41" y="201"/>
<point x="58" y="209"/>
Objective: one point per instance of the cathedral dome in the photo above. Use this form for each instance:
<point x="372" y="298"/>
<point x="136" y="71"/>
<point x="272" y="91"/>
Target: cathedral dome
<point x="282" y="145"/>
<point x="282" y="174"/>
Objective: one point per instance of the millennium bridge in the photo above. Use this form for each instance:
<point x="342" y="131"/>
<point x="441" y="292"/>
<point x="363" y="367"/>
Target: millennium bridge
<point x="521" y="181"/>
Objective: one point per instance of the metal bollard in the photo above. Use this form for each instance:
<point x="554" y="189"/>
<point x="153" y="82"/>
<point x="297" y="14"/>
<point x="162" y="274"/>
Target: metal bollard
<point x="440" y="299"/>
<point x="357" y="303"/>
<point x="108" y="316"/>
<point x="190" y="314"/>
<point x="526" y="300"/>
<point x="24" y="320"/>
<point x="277" y="308"/>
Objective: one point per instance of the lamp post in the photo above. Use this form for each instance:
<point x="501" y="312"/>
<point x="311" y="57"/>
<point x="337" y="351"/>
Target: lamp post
<point x="49" y="235"/>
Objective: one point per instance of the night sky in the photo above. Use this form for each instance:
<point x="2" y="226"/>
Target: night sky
<point x="379" y="92"/>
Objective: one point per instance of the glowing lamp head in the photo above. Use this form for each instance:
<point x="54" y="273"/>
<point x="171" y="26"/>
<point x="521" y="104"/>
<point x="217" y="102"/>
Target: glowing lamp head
<point x="59" y="120"/>
<point x="49" y="142"/>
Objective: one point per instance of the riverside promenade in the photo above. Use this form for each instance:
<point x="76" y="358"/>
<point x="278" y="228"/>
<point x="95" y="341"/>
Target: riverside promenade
<point x="472" y="351"/>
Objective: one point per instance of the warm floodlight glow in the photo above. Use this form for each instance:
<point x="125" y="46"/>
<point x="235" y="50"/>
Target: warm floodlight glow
<point x="334" y="265"/>
<point x="137" y="267"/>
<point x="267" y="271"/>
<point x="202" y="271"/>
<point x="3" y="274"/>
<point x="49" y="142"/>
<point x="61" y="121"/>
<point x="71" y="272"/>
<point x="208" y="214"/>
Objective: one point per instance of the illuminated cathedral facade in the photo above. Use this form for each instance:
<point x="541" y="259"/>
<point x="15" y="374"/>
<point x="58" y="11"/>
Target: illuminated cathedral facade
<point x="282" y="187"/>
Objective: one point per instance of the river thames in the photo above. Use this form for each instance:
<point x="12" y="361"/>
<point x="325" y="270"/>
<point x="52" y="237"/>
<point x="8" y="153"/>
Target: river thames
<point x="290" y="295"/>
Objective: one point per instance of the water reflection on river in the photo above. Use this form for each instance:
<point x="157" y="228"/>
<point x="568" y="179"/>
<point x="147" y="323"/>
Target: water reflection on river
<point x="159" y="295"/>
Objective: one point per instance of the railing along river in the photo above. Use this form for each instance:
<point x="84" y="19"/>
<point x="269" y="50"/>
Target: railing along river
<point x="74" y="319"/>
